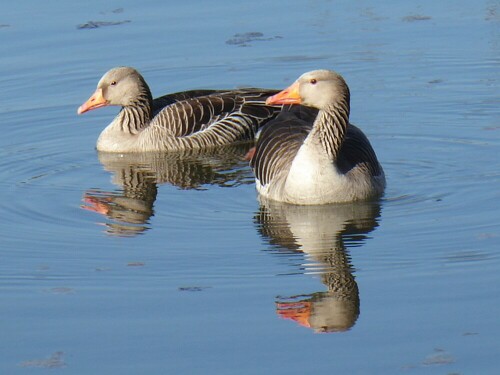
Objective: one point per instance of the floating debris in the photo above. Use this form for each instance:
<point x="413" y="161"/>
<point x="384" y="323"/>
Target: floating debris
<point x="192" y="288"/>
<point x="440" y="357"/>
<point x="243" y="39"/>
<point x="54" y="361"/>
<point x="135" y="264"/>
<point x="96" y="24"/>
<point x="416" y="17"/>
<point x="470" y="334"/>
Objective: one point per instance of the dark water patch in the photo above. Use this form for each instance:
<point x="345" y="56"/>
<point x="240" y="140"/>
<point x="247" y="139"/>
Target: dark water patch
<point x="97" y="24"/>
<point x="193" y="288"/>
<point x="245" y="39"/>
<point x="439" y="357"/>
<point x="136" y="264"/>
<point x="435" y="81"/>
<point x="492" y="13"/>
<point x="465" y="256"/>
<point x="489" y="128"/>
<point x="55" y="361"/>
<point x="470" y="334"/>
<point x="416" y="18"/>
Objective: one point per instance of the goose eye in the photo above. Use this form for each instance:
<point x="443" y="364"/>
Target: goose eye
<point x="113" y="83"/>
<point x="313" y="81"/>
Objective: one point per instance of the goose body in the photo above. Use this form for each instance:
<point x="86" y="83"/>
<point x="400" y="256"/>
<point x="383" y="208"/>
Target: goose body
<point x="187" y="120"/>
<point x="311" y="154"/>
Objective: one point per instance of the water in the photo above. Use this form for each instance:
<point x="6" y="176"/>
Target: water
<point x="169" y="264"/>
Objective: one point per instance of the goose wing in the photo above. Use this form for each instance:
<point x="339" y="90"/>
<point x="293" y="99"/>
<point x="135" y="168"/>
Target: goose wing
<point x="356" y="152"/>
<point x="222" y="116"/>
<point x="279" y="141"/>
<point x="165" y="100"/>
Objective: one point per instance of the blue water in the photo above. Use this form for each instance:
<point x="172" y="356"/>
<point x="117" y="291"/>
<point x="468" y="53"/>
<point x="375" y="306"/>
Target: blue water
<point x="169" y="264"/>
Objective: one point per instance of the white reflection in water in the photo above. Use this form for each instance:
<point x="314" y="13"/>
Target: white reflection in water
<point x="324" y="234"/>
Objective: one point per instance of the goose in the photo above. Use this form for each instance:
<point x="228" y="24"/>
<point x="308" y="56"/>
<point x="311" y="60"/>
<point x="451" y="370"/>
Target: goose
<point x="311" y="154"/>
<point x="194" y="119"/>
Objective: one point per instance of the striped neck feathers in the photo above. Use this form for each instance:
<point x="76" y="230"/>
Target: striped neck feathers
<point x="331" y="125"/>
<point x="136" y="116"/>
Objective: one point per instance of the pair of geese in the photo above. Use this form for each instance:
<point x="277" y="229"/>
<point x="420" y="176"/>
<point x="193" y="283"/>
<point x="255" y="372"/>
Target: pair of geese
<point x="306" y="150"/>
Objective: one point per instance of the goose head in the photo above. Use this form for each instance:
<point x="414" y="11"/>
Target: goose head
<point x="318" y="88"/>
<point x="120" y="86"/>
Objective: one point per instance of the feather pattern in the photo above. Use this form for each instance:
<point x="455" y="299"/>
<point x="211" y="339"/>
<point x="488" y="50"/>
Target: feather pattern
<point x="279" y="141"/>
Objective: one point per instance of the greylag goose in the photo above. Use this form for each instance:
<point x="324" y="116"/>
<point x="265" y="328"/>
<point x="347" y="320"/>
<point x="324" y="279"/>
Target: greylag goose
<point x="187" y="120"/>
<point x="306" y="156"/>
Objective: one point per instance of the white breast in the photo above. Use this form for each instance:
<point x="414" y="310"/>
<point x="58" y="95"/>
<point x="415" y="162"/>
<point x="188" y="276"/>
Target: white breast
<point x="313" y="177"/>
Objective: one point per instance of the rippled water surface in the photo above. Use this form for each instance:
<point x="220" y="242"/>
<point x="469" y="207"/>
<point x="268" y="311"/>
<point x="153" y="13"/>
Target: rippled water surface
<point x="156" y="264"/>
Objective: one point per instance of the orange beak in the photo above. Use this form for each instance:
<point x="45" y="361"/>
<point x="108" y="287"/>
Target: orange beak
<point x="101" y="206"/>
<point x="95" y="101"/>
<point x="298" y="311"/>
<point x="290" y="95"/>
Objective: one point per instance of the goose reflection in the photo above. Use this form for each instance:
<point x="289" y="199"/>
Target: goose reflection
<point x="323" y="234"/>
<point x="130" y="207"/>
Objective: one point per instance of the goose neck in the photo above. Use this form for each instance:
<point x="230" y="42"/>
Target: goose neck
<point x="137" y="115"/>
<point x="330" y="127"/>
